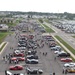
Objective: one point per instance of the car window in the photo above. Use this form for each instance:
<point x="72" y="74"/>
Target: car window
<point x="16" y="66"/>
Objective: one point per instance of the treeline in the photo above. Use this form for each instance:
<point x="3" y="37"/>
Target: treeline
<point x="65" y="14"/>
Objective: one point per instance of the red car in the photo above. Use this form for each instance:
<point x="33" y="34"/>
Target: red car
<point x="19" y="54"/>
<point x="21" y="58"/>
<point x="18" y="58"/>
<point x="16" y="67"/>
<point x="66" y="59"/>
<point x="31" y="36"/>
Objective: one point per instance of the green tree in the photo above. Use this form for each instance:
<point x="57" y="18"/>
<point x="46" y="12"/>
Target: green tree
<point x="41" y="20"/>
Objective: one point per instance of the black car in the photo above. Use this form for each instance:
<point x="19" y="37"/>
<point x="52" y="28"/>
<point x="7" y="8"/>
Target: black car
<point x="20" y="40"/>
<point x="64" y="55"/>
<point x="32" y="57"/>
<point x="34" y="71"/>
<point x="43" y="30"/>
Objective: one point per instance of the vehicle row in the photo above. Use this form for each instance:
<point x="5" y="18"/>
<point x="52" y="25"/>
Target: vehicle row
<point x="27" y="55"/>
<point x="63" y="57"/>
<point x="65" y="25"/>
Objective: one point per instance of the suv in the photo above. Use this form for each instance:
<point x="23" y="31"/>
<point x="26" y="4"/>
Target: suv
<point x="64" y="55"/>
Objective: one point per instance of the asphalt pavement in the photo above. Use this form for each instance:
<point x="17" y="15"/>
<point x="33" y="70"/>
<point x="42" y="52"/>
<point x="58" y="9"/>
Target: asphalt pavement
<point x="47" y="63"/>
<point x="65" y="36"/>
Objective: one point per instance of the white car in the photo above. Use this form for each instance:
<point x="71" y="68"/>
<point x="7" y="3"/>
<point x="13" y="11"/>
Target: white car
<point x="60" y="52"/>
<point x="57" y="52"/>
<point x="19" y="51"/>
<point x="69" y="64"/>
<point x="19" y="74"/>
<point x="32" y="61"/>
<point x="34" y="70"/>
<point x="22" y="48"/>
<point x="56" y="48"/>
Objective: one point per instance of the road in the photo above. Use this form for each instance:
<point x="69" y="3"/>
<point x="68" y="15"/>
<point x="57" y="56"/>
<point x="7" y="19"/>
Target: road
<point x="11" y="43"/>
<point x="66" y="37"/>
<point x="47" y="63"/>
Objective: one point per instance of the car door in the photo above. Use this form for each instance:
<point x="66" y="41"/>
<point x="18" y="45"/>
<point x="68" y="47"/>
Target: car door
<point x="34" y="72"/>
<point x="16" y="68"/>
<point x="32" y="62"/>
<point x="67" y="60"/>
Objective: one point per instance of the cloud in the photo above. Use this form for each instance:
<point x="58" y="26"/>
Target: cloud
<point x="38" y="5"/>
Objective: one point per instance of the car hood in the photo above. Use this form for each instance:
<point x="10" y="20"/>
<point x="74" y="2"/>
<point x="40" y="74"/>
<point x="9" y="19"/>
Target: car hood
<point x="11" y="67"/>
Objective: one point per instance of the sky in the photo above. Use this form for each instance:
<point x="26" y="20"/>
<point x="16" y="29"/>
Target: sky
<point x="55" y="6"/>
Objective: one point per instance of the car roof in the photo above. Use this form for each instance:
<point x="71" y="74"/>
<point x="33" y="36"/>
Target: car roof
<point x="34" y="68"/>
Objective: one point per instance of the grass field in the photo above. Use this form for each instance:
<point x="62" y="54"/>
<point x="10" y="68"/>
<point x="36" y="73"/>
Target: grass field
<point x="48" y="29"/>
<point x="3" y="35"/>
<point x="47" y="20"/>
<point x="73" y="36"/>
<point x="66" y="45"/>
<point x="65" y="51"/>
<point x="2" y="46"/>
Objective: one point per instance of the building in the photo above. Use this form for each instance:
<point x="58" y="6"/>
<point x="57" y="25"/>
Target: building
<point x="6" y="20"/>
<point x="3" y="27"/>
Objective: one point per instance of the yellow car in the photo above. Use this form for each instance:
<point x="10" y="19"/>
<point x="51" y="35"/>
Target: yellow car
<point x="71" y="70"/>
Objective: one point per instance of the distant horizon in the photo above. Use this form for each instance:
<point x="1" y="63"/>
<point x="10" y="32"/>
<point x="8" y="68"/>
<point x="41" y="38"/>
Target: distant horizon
<point x="33" y="11"/>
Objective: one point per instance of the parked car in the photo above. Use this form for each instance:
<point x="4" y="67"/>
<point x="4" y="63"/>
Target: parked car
<point x="19" y="51"/>
<point x="18" y="54"/>
<point x="42" y="30"/>
<point x="21" y="45"/>
<point x="18" y="58"/>
<point x="69" y="64"/>
<point x="31" y="36"/>
<point x="56" y="48"/>
<point x="66" y="59"/>
<point x="71" y="70"/>
<point x="34" y="71"/>
<point x="16" y="67"/>
<point x="32" y="57"/>
<point x="18" y="74"/>
<point x="53" y="44"/>
<point x="31" y="61"/>
<point x="63" y="55"/>
<point x="58" y="51"/>
<point x="22" y="48"/>
<point x="32" y="52"/>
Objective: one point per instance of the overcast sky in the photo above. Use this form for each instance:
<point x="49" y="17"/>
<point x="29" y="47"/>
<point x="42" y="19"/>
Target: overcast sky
<point x="38" y="5"/>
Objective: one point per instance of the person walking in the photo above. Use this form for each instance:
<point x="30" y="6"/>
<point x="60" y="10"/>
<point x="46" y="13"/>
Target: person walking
<point x="46" y="54"/>
<point x="5" y="60"/>
<point x="43" y="53"/>
<point x="53" y="73"/>
<point x="54" y="58"/>
<point x="65" y="71"/>
<point x="15" y="61"/>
